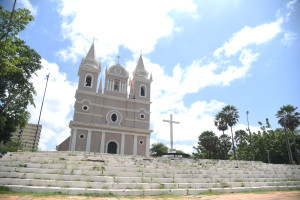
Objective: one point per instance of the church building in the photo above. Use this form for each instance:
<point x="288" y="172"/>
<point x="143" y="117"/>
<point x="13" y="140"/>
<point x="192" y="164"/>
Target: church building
<point x="110" y="119"/>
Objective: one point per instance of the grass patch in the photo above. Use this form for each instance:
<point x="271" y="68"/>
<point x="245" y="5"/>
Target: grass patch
<point x="240" y="181"/>
<point x="62" y="158"/>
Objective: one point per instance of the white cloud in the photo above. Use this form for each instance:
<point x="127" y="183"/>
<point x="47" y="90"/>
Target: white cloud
<point x="135" y="24"/>
<point x="58" y="105"/>
<point x="290" y="5"/>
<point x="288" y="38"/>
<point x="28" y="5"/>
<point x="247" y="36"/>
<point x="168" y="93"/>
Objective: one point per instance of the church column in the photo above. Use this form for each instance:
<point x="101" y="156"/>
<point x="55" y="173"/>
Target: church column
<point x="147" y="145"/>
<point x="102" y="143"/>
<point x="123" y="144"/>
<point x="74" y="136"/>
<point x="88" y="141"/>
<point x="135" y="145"/>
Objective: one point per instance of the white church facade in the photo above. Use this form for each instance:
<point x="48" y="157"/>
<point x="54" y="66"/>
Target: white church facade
<point x="110" y="119"/>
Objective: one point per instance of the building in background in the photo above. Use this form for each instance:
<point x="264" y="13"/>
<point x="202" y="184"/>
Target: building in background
<point x="110" y="119"/>
<point x="27" y="134"/>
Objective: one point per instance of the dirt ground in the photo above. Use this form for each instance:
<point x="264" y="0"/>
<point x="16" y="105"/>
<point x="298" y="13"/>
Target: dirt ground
<point x="280" y="195"/>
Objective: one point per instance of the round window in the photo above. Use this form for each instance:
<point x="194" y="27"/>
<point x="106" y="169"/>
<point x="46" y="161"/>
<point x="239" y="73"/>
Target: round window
<point x="142" y="116"/>
<point x="81" y="136"/>
<point x="141" y="142"/>
<point x="114" y="117"/>
<point x="85" y="108"/>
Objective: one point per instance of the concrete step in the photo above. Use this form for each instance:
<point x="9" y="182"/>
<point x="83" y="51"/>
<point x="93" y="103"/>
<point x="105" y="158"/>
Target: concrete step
<point x="121" y="179"/>
<point x="85" y="173"/>
<point x="142" y="192"/>
<point x="121" y="171"/>
<point x="116" y="185"/>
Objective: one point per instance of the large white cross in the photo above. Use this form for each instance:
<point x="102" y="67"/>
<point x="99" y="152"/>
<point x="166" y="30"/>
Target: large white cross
<point x="171" y="128"/>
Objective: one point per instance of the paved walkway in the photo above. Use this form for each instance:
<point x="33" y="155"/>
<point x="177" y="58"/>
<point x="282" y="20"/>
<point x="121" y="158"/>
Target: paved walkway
<point x="282" y="195"/>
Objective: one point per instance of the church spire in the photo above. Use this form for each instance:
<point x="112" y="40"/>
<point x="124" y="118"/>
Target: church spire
<point x="140" y="69"/>
<point x="91" y="55"/>
<point x="140" y="65"/>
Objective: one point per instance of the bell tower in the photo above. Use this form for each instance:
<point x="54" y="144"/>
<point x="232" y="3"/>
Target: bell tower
<point x="140" y="83"/>
<point x="89" y="71"/>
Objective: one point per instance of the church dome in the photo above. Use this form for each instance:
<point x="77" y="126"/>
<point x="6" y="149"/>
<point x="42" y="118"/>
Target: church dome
<point x="118" y="70"/>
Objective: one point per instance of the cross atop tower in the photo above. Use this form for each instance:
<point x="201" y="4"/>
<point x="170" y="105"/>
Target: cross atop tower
<point x="171" y="129"/>
<point x="118" y="58"/>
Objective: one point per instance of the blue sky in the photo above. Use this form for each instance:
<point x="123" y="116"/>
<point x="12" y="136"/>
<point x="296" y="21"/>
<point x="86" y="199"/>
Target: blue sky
<point x="203" y="55"/>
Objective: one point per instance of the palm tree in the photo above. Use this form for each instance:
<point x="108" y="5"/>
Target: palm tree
<point x="289" y="119"/>
<point x="220" y="122"/>
<point x="209" y="141"/>
<point x="231" y="117"/>
<point x="221" y="125"/>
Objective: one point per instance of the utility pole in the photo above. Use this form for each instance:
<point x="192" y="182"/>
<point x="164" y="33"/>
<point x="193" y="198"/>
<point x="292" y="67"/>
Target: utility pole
<point x="37" y="128"/>
<point x="250" y="136"/>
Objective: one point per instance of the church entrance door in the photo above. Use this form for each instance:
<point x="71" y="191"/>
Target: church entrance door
<point x="112" y="147"/>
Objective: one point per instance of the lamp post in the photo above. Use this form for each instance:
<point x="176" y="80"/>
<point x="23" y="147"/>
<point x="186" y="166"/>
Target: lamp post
<point x="37" y="128"/>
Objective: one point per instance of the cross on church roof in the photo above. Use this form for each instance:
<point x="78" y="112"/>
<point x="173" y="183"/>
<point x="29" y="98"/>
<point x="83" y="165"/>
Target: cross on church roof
<point x="171" y="129"/>
<point x="118" y="58"/>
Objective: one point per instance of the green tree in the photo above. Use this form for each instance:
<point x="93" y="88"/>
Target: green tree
<point x="241" y="138"/>
<point x="220" y="122"/>
<point x="18" y="62"/>
<point x="282" y="115"/>
<point x="289" y="119"/>
<point x="225" y="144"/>
<point x="11" y="146"/>
<point x="158" y="148"/>
<point x="208" y="144"/>
<point x="231" y="117"/>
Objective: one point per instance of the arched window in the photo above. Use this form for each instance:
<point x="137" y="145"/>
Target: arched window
<point x="143" y="91"/>
<point x="88" y="81"/>
<point x="117" y="84"/>
<point x="112" y="147"/>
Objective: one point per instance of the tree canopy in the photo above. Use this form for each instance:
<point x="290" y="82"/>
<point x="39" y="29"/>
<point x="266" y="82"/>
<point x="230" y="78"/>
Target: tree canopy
<point x="158" y="148"/>
<point x="267" y="145"/>
<point x="18" y="63"/>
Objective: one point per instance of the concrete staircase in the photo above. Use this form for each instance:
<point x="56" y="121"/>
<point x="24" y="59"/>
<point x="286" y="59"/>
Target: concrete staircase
<point x="76" y="173"/>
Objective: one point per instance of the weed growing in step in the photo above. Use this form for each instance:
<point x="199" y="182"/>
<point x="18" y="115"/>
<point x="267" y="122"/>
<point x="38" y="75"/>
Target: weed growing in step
<point x="62" y="158"/>
<point x="240" y="180"/>
<point x="3" y="189"/>
<point x="22" y="165"/>
<point x="105" y="188"/>
<point x="161" y="186"/>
